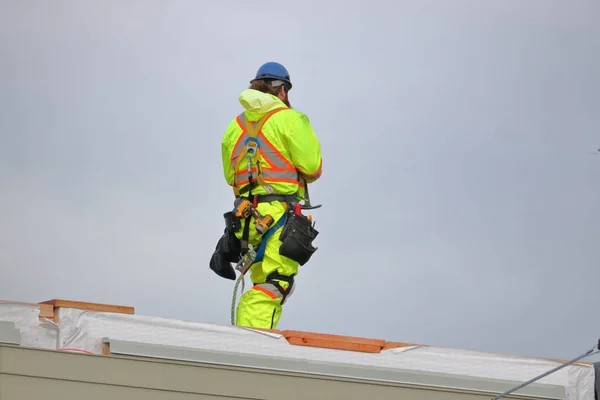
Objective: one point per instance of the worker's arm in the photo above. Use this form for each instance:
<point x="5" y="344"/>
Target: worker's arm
<point x="305" y="149"/>
<point x="228" y="171"/>
<point x="226" y="149"/>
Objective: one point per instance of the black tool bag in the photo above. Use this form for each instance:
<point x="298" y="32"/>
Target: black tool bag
<point x="297" y="237"/>
<point x="227" y="250"/>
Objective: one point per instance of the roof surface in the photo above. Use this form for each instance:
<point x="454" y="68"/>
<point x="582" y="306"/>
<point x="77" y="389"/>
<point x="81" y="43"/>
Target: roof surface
<point x="88" y="327"/>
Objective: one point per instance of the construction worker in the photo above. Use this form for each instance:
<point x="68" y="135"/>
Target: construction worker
<point x="288" y="155"/>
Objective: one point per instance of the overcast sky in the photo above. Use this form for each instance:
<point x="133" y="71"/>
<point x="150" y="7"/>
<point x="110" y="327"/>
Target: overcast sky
<point x="460" y="198"/>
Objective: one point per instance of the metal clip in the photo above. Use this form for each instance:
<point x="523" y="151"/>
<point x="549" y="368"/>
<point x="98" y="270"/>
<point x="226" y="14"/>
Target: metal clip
<point x="252" y="146"/>
<point x="246" y="261"/>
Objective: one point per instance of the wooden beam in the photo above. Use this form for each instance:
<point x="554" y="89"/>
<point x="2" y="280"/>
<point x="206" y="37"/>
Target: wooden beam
<point x="275" y="331"/>
<point x="80" y="305"/>
<point x="23" y="303"/>
<point x="337" y="342"/>
<point x="47" y="311"/>
<point x="587" y="363"/>
<point x="106" y="349"/>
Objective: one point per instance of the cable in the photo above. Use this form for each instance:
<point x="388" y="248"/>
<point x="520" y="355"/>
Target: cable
<point x="587" y="353"/>
<point x="235" y="289"/>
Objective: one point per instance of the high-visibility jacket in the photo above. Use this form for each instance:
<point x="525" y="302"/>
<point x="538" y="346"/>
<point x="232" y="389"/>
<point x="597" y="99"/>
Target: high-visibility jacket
<point x="289" y="149"/>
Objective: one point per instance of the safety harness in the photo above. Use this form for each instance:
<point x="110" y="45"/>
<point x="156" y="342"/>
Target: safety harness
<point x="251" y="151"/>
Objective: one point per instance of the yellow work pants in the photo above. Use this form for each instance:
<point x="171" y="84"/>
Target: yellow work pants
<point x="261" y="305"/>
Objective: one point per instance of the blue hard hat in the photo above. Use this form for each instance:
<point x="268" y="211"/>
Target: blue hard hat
<point x="273" y="70"/>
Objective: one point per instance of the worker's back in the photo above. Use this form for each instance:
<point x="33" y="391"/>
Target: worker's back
<point x="289" y="149"/>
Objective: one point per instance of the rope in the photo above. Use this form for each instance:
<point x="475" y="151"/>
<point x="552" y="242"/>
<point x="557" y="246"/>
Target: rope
<point x="235" y="289"/>
<point x="588" y="353"/>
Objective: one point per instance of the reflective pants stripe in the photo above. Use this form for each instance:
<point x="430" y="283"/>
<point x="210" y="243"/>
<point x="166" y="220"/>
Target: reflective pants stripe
<point x="265" y="291"/>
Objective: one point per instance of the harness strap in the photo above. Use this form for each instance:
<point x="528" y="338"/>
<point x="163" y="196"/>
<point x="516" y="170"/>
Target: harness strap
<point x="253" y="132"/>
<point x="290" y="199"/>
<point x="260" y="252"/>
<point x="238" y="192"/>
<point x="245" y="236"/>
<point x="275" y="276"/>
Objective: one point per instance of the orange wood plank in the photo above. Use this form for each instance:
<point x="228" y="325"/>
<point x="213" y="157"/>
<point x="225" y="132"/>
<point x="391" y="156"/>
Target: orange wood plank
<point x="106" y="349"/>
<point x="336" y="338"/>
<point x="46" y="311"/>
<point x="565" y="361"/>
<point x="19" y="302"/>
<point x="57" y="303"/>
<point x="330" y="341"/>
<point x="330" y="344"/>
<point x="266" y="330"/>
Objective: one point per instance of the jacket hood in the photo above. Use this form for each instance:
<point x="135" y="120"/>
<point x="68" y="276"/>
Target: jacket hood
<point x="258" y="104"/>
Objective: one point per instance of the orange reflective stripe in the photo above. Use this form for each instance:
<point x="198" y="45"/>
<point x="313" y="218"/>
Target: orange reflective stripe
<point x="239" y="145"/>
<point x="265" y="291"/>
<point x="279" y="161"/>
<point x="279" y="170"/>
<point x="316" y="174"/>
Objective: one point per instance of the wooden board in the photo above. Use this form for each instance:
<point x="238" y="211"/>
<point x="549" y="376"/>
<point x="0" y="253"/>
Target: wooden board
<point x="80" y="305"/>
<point x="46" y="311"/>
<point x="337" y="342"/>
<point x="19" y="302"/>
<point x="106" y="349"/>
<point x="275" y="331"/>
<point x="587" y="363"/>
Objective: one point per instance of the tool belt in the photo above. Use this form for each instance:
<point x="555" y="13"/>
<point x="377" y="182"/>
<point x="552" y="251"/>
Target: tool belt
<point x="296" y="238"/>
<point x="290" y="199"/>
<point x="298" y="231"/>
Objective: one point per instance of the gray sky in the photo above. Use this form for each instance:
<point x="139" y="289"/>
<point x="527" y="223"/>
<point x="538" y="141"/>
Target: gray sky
<point x="460" y="201"/>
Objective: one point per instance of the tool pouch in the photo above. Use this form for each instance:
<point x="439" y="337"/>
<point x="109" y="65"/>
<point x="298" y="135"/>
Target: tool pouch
<point x="297" y="237"/>
<point x="221" y="266"/>
<point x="229" y="244"/>
<point x="228" y="249"/>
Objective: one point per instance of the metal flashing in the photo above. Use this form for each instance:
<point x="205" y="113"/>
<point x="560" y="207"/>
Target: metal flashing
<point x="597" y="388"/>
<point x="9" y="334"/>
<point x="328" y="370"/>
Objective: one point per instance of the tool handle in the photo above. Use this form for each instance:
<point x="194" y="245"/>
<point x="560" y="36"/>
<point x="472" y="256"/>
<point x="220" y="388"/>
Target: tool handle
<point x="311" y="207"/>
